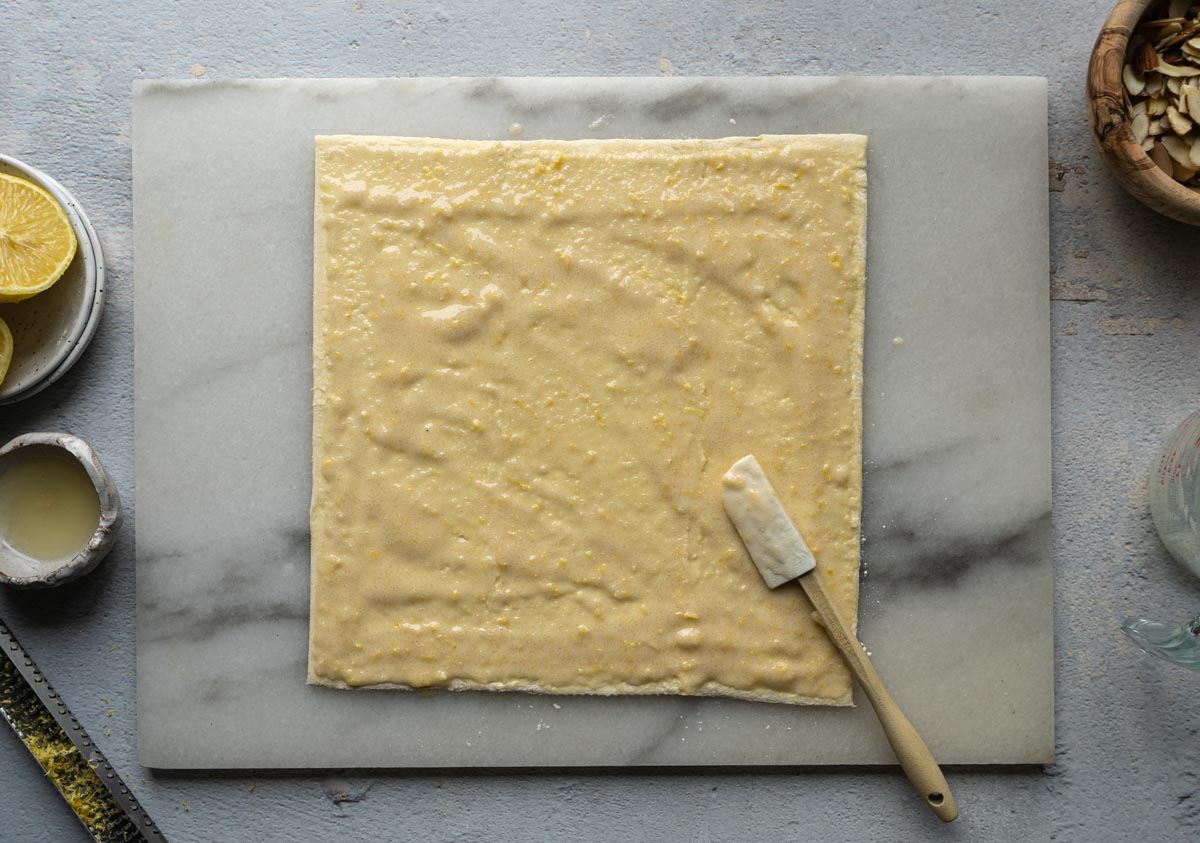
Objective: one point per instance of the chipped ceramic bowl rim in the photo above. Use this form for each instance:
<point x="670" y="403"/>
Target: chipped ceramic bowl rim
<point x="101" y="542"/>
<point x="88" y="318"/>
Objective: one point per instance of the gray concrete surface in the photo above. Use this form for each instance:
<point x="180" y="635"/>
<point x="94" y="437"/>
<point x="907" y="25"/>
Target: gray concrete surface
<point x="1126" y="323"/>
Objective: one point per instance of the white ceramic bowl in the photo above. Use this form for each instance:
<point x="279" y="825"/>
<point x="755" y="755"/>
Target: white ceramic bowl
<point x="51" y="330"/>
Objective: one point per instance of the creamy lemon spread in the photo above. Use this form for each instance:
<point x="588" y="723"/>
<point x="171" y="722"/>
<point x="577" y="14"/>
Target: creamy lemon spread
<point x="533" y="363"/>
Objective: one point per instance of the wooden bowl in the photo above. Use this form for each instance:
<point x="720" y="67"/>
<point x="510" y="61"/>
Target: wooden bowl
<point x="1110" y="122"/>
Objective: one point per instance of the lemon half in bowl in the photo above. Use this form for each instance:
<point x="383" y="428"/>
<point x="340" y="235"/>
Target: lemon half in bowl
<point x="37" y="242"/>
<point x="51" y="329"/>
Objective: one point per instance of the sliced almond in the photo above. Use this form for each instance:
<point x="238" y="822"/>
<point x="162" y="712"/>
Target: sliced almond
<point x="1176" y="71"/>
<point x="1154" y="83"/>
<point x="1180" y="124"/>
<point x="1190" y="96"/>
<point x="1156" y="106"/>
<point x="1178" y="149"/>
<point x="1167" y="69"/>
<point x="1140" y="126"/>
<point x="1133" y="83"/>
<point x="1148" y="144"/>
<point x="1174" y="83"/>
<point x="1195" y="155"/>
<point x="1156" y="128"/>
<point x="1168" y="31"/>
<point x="1143" y="58"/>
<point x="1137" y="108"/>
<point x="1161" y="158"/>
<point x="1180" y="102"/>
<point x="1182" y="173"/>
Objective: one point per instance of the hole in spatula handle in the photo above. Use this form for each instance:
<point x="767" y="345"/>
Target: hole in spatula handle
<point x="935" y="799"/>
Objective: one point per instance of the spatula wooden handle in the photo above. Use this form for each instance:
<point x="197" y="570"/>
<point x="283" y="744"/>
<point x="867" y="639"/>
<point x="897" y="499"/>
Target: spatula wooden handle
<point x="915" y="759"/>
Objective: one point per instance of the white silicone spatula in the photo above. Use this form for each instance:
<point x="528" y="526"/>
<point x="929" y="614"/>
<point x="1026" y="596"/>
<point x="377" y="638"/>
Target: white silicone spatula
<point x="779" y="552"/>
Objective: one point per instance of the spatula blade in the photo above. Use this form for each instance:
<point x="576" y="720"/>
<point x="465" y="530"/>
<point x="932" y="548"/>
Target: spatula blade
<point x="774" y="543"/>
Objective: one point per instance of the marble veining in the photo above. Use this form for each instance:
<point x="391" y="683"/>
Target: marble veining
<point x="956" y="496"/>
<point x="911" y="562"/>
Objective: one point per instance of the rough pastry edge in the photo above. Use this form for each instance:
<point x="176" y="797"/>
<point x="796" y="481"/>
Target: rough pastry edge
<point x="856" y="372"/>
<point x="320" y="384"/>
<point x="320" y="374"/>
<point x="711" y="689"/>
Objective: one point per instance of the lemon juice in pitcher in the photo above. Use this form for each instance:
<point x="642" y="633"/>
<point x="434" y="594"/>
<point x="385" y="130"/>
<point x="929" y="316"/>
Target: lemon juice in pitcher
<point x="49" y="508"/>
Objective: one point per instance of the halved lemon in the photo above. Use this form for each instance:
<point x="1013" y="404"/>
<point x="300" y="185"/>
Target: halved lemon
<point x="5" y="349"/>
<point x="37" y="241"/>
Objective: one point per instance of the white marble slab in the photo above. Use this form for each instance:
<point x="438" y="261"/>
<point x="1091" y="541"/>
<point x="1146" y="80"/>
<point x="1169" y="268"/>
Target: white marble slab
<point x="957" y="589"/>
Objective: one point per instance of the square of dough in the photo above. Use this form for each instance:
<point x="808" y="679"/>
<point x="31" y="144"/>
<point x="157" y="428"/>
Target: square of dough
<point x="533" y="361"/>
